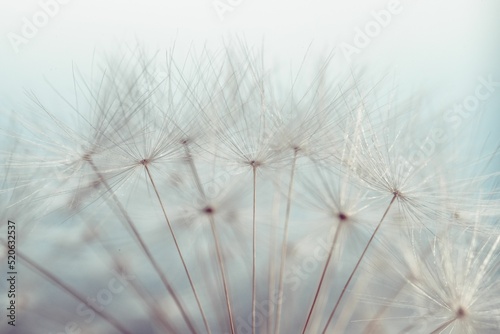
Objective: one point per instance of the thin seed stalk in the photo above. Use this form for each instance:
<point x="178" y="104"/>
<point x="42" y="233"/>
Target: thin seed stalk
<point x="220" y="260"/>
<point x="254" y="249"/>
<point x="442" y="327"/>
<point x="143" y="246"/>
<point x="323" y="274"/>
<point x="344" y="289"/>
<point x="284" y="242"/>
<point x="272" y="255"/>
<point x="143" y="295"/>
<point x="205" y="322"/>
<point x="218" y="250"/>
<point x="58" y="282"/>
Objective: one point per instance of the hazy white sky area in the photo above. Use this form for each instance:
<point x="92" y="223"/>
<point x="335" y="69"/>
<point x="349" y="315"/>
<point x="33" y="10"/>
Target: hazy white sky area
<point x="433" y="46"/>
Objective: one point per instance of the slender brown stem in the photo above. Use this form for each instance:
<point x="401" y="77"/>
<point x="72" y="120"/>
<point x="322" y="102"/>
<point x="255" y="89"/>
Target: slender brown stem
<point x="58" y="282"/>
<point x="143" y="246"/>
<point x="323" y="274"/>
<point x="138" y="288"/>
<point x="220" y="260"/>
<point x="178" y="249"/>
<point x="218" y="250"/>
<point x="284" y="242"/>
<point x="344" y="289"/>
<point x="443" y="326"/>
<point x="254" y="250"/>
<point x="272" y="254"/>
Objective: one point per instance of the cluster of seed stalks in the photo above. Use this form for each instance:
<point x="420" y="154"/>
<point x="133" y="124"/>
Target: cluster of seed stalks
<point x="210" y="195"/>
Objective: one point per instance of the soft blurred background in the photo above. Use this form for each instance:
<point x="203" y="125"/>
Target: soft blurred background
<point x="440" y="46"/>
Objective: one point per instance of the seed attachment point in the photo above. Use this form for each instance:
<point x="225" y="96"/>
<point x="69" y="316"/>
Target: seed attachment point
<point x="460" y="313"/>
<point x="342" y="216"/>
<point x="254" y="163"/>
<point x="208" y="210"/>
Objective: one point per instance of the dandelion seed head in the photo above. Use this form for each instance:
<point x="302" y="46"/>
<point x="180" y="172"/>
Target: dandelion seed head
<point x="198" y="131"/>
